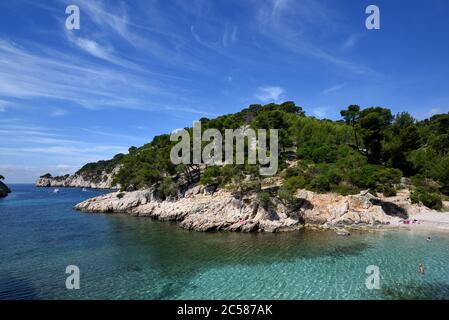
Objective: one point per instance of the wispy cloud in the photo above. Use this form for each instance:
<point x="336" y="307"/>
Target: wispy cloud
<point x="351" y="41"/>
<point x="270" y="93"/>
<point x="334" y="88"/>
<point x="229" y="36"/>
<point x="112" y="21"/>
<point x="289" y="23"/>
<point x="92" y="47"/>
<point x="434" y="111"/>
<point x="2" y="108"/>
<point x="140" y="139"/>
<point x="59" y="112"/>
<point x="51" y="150"/>
<point x="54" y="76"/>
<point x="113" y="17"/>
<point x="19" y="138"/>
<point x="321" y="112"/>
<point x="65" y="151"/>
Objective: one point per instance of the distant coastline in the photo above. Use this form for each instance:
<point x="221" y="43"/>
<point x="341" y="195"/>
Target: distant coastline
<point x="102" y="181"/>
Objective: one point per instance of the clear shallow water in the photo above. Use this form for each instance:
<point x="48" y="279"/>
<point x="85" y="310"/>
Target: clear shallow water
<point x="122" y="257"/>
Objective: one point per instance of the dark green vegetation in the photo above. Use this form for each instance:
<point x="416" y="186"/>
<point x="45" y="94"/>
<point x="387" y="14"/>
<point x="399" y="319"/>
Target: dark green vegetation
<point x="59" y="178"/>
<point x="367" y="149"/>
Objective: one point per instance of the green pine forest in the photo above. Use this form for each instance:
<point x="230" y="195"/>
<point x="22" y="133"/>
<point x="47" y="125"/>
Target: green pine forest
<point x="367" y="149"/>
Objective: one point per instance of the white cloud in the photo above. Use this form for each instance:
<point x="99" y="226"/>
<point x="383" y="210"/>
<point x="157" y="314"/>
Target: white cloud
<point x="112" y="17"/>
<point x="58" y="112"/>
<point x="351" y="41"/>
<point x="321" y="112"/>
<point x="116" y="21"/>
<point x="434" y="111"/>
<point x="229" y="36"/>
<point x="334" y="88"/>
<point x="3" y="105"/>
<point x="64" y="150"/>
<point x="57" y="76"/>
<point x="92" y="47"/>
<point x="51" y="150"/>
<point x="289" y="24"/>
<point x="270" y="93"/>
<point x="116" y="135"/>
<point x="20" y="138"/>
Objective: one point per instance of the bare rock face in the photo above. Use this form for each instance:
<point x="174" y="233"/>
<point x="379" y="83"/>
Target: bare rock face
<point x="201" y="209"/>
<point x="446" y="205"/>
<point x="104" y="181"/>
<point x="332" y="210"/>
<point x="4" y="190"/>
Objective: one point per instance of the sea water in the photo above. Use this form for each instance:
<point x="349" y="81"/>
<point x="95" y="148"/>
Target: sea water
<point x="123" y="257"/>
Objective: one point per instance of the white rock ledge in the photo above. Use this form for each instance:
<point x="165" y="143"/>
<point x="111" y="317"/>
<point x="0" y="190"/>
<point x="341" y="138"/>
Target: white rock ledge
<point x="202" y="211"/>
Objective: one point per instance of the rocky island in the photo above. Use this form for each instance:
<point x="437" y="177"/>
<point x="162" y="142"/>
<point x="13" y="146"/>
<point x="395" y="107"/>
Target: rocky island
<point x="4" y="189"/>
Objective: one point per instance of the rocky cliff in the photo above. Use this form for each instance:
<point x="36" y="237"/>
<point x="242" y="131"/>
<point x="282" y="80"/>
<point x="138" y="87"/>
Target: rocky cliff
<point x="99" y="181"/>
<point x="4" y="190"/>
<point x="204" y="210"/>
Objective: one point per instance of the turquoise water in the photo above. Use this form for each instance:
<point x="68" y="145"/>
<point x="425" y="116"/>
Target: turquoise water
<point x="123" y="257"/>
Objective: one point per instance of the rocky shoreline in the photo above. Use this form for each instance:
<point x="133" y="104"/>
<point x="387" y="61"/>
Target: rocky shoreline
<point x="104" y="181"/>
<point x="4" y="190"/>
<point x="202" y="209"/>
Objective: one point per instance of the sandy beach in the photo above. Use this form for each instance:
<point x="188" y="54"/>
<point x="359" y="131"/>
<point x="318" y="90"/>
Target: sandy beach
<point x="427" y="220"/>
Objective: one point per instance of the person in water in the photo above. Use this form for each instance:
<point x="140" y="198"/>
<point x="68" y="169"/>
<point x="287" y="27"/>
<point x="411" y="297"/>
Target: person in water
<point x="421" y="268"/>
<point x="429" y="239"/>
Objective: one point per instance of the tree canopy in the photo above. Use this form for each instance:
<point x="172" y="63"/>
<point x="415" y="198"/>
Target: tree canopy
<point x="367" y="149"/>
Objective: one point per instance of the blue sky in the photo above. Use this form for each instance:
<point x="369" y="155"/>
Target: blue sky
<point x="136" y="69"/>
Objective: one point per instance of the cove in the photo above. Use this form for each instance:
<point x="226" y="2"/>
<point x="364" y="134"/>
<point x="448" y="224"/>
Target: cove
<point x="122" y="257"/>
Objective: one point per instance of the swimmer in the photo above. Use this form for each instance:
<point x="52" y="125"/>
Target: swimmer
<point x="421" y="268"/>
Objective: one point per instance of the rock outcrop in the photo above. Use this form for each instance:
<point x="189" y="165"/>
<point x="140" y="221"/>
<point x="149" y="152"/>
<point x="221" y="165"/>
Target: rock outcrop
<point x="202" y="210"/>
<point x="102" y="181"/>
<point x="4" y="190"/>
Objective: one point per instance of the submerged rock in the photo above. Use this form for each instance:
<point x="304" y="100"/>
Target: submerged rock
<point x="342" y="232"/>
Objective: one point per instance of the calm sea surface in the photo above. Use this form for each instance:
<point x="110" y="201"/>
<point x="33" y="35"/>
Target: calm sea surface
<point x="123" y="257"/>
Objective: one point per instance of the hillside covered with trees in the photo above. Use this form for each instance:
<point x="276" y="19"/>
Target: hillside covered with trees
<point x="366" y="149"/>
